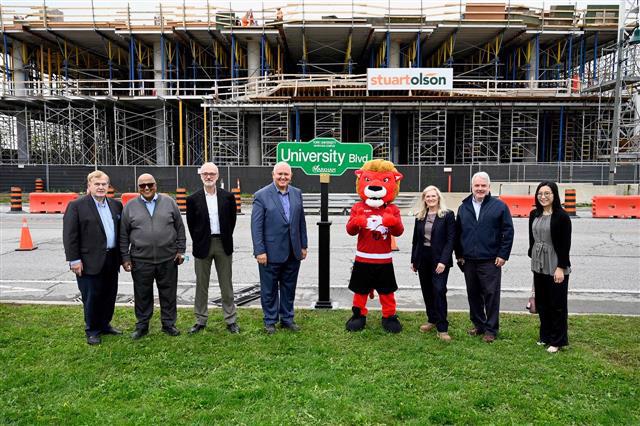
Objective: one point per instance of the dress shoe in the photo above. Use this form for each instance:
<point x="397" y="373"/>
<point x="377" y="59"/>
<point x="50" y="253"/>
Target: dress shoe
<point x="270" y="328"/>
<point x="553" y="349"/>
<point x="425" y="328"/>
<point x="291" y="326"/>
<point x="139" y="333"/>
<point x="94" y="340"/>
<point x="171" y="330"/>
<point x="196" y="328"/>
<point x="474" y="332"/>
<point x="444" y="337"/>
<point x="488" y="338"/>
<point x="233" y="328"/>
<point x="112" y="330"/>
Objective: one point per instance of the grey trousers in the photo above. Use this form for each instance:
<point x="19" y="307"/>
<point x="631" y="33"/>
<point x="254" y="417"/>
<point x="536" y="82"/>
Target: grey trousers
<point x="203" y="274"/>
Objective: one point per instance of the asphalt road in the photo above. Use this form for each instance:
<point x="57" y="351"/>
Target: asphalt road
<point x="605" y="255"/>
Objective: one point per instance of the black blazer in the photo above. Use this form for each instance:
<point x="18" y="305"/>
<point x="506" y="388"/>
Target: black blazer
<point x="199" y="225"/>
<point x="83" y="234"/>
<point x="443" y="236"/>
<point x="560" y="235"/>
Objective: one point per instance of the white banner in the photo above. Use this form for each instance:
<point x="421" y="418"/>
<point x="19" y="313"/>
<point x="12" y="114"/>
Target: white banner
<point x="409" y="78"/>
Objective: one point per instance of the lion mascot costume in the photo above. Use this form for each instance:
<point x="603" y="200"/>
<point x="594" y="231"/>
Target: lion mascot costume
<point x="374" y="220"/>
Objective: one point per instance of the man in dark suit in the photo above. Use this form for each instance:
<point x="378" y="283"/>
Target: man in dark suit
<point x="211" y="218"/>
<point x="90" y="237"/>
<point x="279" y="234"/>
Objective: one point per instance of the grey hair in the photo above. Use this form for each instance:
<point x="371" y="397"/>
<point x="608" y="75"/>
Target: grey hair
<point x="483" y="175"/>
<point x="281" y="163"/>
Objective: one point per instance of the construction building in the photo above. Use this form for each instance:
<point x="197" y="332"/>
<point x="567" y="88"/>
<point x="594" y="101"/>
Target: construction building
<point x="178" y="84"/>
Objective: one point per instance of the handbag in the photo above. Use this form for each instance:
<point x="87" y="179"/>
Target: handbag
<point x="531" y="304"/>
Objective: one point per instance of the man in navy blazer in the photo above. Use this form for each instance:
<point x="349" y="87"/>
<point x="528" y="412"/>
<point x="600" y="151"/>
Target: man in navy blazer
<point x="279" y="234"/>
<point x="90" y="234"/>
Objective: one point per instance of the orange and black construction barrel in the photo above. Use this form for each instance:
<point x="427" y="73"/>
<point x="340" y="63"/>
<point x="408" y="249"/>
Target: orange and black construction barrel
<point x="236" y="194"/>
<point x="181" y="199"/>
<point x="16" y="199"/>
<point x="570" y="201"/>
<point x="39" y="185"/>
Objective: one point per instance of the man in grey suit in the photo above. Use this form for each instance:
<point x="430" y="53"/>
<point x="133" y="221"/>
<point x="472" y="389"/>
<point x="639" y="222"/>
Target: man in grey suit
<point x="279" y="234"/>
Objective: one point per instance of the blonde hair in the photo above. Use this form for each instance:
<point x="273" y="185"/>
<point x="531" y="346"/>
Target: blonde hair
<point x="96" y="174"/>
<point x="421" y="206"/>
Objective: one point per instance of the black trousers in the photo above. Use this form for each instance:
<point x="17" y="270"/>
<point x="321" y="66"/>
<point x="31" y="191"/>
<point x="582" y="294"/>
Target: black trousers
<point x="551" y="302"/>
<point x="434" y="290"/>
<point x="99" y="295"/>
<point x="166" y="276"/>
<point x="483" y="292"/>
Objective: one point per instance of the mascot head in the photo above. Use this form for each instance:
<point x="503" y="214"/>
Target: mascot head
<point x="378" y="182"/>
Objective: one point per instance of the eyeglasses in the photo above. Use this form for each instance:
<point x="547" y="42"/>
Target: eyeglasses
<point x="545" y="194"/>
<point x="208" y="174"/>
<point x="146" y="185"/>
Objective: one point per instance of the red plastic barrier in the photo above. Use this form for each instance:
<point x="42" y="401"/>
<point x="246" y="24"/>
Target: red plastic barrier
<point x="50" y="202"/>
<point x="519" y="205"/>
<point x="621" y="206"/>
<point x="128" y="196"/>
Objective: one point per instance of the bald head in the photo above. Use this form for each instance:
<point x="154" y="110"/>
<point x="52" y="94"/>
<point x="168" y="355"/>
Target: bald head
<point x="209" y="176"/>
<point x="147" y="186"/>
<point x="282" y="175"/>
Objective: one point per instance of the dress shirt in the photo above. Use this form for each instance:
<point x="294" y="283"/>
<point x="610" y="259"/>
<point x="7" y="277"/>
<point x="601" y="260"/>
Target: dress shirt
<point x="284" y="199"/>
<point x="212" y="207"/>
<point x="476" y="207"/>
<point x="150" y="205"/>
<point x="107" y="222"/>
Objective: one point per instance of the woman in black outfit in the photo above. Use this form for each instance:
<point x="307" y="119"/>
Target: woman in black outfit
<point x="549" y="245"/>
<point x="434" y="234"/>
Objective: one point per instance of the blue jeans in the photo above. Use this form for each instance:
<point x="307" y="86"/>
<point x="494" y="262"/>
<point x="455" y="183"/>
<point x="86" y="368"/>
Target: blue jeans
<point x="278" y="290"/>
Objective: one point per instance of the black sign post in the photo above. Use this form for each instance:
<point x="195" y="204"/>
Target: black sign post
<point x="324" y="236"/>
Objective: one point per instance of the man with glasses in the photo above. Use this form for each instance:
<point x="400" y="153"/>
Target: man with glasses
<point x="90" y="238"/>
<point x="152" y="244"/>
<point x="484" y="237"/>
<point x="211" y="218"/>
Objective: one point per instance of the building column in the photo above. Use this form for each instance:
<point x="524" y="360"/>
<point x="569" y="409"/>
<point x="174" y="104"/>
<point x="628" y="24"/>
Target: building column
<point x="158" y="68"/>
<point x="253" y="59"/>
<point x="161" y="139"/>
<point x="18" y="69"/>
<point x="394" y="54"/>
<point x="253" y="140"/>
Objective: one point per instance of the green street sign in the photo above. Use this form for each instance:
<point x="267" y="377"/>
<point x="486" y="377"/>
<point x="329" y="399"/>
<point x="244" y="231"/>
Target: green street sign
<point x="322" y="156"/>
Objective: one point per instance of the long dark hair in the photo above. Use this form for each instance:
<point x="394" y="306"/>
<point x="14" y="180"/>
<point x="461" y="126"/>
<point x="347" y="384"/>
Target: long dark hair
<point x="555" y="206"/>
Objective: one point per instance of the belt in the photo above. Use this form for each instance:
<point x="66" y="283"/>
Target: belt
<point x="111" y="250"/>
<point x="216" y="236"/>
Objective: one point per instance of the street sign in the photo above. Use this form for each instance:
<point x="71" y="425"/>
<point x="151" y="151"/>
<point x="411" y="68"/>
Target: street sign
<point x="324" y="155"/>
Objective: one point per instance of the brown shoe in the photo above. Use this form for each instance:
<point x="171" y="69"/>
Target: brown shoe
<point x="444" y="336"/>
<point x="474" y="332"/>
<point x="488" y="338"/>
<point x="425" y="328"/>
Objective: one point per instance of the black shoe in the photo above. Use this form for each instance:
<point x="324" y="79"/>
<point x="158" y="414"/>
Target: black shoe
<point x="171" y="330"/>
<point x="291" y="326"/>
<point x="357" y="322"/>
<point x="112" y="330"/>
<point x="94" y="340"/>
<point x="233" y="328"/>
<point x="139" y="333"/>
<point x="392" y="324"/>
<point x="196" y="328"/>
<point x="270" y="328"/>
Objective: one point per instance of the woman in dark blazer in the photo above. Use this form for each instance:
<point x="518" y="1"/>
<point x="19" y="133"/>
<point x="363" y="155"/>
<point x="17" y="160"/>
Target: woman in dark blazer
<point x="434" y="234"/>
<point x="549" y="245"/>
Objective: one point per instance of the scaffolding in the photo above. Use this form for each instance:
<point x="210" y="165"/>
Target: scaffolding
<point x="328" y="123"/>
<point x="432" y="138"/>
<point x="486" y="136"/>
<point x="227" y="137"/>
<point x="375" y="131"/>
<point x="275" y="129"/>
<point x="143" y="137"/>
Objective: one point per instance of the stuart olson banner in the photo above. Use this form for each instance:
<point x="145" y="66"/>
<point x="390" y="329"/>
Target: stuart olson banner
<point x="409" y="78"/>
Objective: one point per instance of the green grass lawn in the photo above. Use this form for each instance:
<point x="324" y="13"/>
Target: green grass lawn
<point x="322" y="375"/>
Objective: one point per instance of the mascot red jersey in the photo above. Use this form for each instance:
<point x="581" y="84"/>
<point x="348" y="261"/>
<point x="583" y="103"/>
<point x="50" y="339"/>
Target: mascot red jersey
<point x="374" y="220"/>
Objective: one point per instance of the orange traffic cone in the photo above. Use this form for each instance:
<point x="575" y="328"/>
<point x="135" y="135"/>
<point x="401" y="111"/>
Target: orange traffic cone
<point x="394" y="245"/>
<point x="26" y="244"/>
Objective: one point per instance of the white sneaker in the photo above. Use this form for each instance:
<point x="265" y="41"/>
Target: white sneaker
<point x="553" y="349"/>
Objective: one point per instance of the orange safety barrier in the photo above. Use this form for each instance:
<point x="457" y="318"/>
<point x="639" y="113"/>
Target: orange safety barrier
<point x="39" y="185"/>
<point x="236" y="194"/>
<point x="519" y="205"/>
<point x="181" y="199"/>
<point x="125" y="197"/>
<point x="50" y="202"/>
<point x="621" y="206"/>
<point x="570" y="201"/>
<point x="16" y="199"/>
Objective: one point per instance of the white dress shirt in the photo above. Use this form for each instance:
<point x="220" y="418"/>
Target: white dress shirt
<point x="212" y="206"/>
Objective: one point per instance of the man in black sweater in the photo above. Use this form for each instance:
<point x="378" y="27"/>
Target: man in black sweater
<point x="484" y="239"/>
